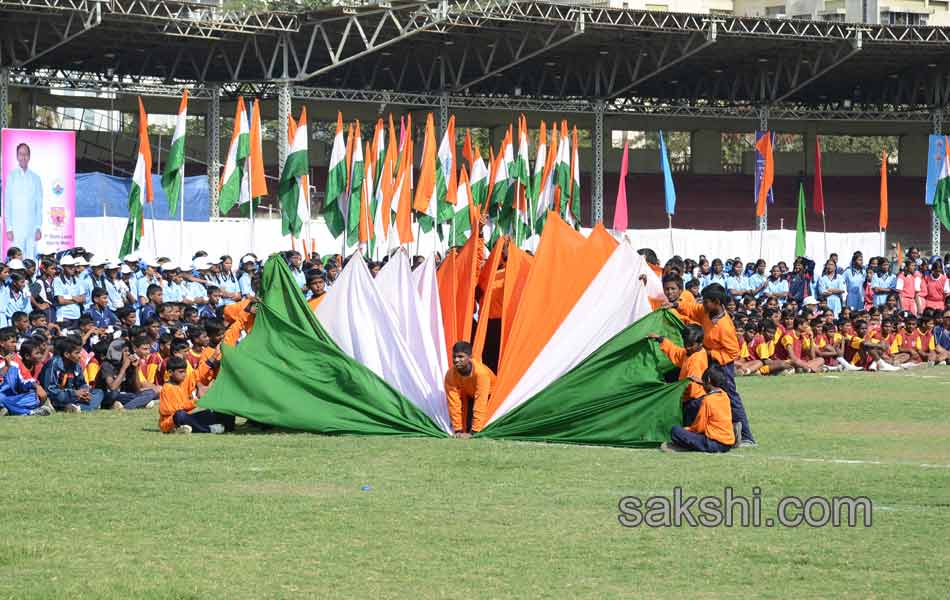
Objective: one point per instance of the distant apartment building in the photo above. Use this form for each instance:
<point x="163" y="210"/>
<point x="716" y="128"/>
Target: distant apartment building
<point x="884" y="12"/>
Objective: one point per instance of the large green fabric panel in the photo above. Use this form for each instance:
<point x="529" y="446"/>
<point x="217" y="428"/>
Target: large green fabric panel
<point x="617" y="396"/>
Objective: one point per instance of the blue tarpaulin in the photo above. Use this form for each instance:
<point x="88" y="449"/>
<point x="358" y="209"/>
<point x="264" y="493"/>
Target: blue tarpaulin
<point x="98" y="194"/>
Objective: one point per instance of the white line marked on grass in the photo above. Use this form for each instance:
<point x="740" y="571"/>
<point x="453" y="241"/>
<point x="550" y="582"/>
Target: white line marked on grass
<point x="850" y="461"/>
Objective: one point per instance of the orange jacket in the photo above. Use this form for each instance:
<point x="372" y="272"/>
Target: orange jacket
<point x="693" y="365"/>
<point x="174" y="398"/>
<point x="714" y="419"/>
<point x="719" y="336"/>
<point x="459" y="389"/>
<point x="237" y="312"/>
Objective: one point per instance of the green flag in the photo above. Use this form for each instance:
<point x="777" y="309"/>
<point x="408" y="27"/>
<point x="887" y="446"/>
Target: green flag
<point x="800" y="228"/>
<point x="174" y="174"/>
<point x="942" y="193"/>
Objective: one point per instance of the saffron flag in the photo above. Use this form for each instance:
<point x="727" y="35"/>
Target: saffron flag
<point x="764" y="145"/>
<point x="882" y="219"/>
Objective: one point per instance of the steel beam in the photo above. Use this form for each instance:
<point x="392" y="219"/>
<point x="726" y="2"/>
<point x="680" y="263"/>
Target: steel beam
<point x="824" y="63"/>
<point x="4" y="96"/>
<point x="283" y="118"/>
<point x="213" y="133"/>
<point x="506" y="52"/>
<point x="673" y="52"/>
<point x="47" y="35"/>
<point x="363" y="33"/>
<point x="598" y="142"/>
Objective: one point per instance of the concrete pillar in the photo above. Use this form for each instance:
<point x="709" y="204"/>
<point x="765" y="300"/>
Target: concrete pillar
<point x="22" y="109"/>
<point x="912" y="155"/>
<point x="808" y="144"/>
<point x="706" y="152"/>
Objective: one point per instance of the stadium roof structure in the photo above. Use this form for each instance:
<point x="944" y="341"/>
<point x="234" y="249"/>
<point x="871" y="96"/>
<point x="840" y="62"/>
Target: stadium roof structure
<point x="563" y="56"/>
<point x="526" y="55"/>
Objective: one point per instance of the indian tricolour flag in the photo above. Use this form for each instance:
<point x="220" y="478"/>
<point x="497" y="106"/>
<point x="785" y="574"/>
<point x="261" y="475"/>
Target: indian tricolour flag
<point x="140" y="190"/>
<point x="336" y="182"/>
<point x="479" y="179"/>
<point x="172" y="178"/>
<point x="446" y="182"/>
<point x="292" y="190"/>
<point x="942" y="193"/>
<point x="233" y="181"/>
<point x="462" y="218"/>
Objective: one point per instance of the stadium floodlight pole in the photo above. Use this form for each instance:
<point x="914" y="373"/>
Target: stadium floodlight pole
<point x="937" y="116"/>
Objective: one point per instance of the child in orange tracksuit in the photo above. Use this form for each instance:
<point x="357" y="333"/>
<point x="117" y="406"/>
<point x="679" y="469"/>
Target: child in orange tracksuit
<point x="693" y="362"/>
<point x="712" y="430"/>
<point x="468" y="386"/>
<point x="177" y="400"/>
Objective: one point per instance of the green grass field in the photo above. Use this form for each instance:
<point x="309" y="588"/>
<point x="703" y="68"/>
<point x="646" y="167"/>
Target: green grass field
<point x="103" y="506"/>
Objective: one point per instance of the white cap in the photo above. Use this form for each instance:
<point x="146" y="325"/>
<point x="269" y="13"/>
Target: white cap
<point x="810" y="300"/>
<point x="153" y="262"/>
<point x="16" y="264"/>
<point x="202" y="263"/>
<point x="67" y="261"/>
<point x="125" y="269"/>
<point x="170" y="266"/>
<point x="98" y="262"/>
<point x="248" y="258"/>
<point x="132" y="257"/>
<point x="116" y="264"/>
<point x="81" y="262"/>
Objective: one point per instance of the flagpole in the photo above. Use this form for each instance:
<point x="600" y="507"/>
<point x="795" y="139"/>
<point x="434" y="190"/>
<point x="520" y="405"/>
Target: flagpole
<point x="669" y="220"/>
<point x="181" y="213"/>
<point x="152" y="204"/>
<point x="824" y="227"/>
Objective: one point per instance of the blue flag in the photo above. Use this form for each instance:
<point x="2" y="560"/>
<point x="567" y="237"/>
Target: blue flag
<point x="760" y="169"/>
<point x="668" y="188"/>
<point x="934" y="163"/>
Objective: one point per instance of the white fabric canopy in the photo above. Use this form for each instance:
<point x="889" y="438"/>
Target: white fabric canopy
<point x="614" y="300"/>
<point x="363" y="324"/>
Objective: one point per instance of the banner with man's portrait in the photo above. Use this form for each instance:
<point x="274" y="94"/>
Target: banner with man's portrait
<point x="38" y="196"/>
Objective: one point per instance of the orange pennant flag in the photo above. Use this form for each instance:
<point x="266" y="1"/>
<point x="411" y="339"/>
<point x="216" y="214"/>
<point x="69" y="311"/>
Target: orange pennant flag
<point x="764" y="145"/>
<point x="882" y="221"/>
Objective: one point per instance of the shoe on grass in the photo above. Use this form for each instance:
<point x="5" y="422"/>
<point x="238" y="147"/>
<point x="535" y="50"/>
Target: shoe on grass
<point x="118" y="406"/>
<point x="150" y="405"/>
<point x="3" y="411"/>
<point x="671" y="447"/>
<point x="183" y="429"/>
<point x="72" y="408"/>
<point x="43" y="411"/>
<point x="748" y="444"/>
<point x="216" y="428"/>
